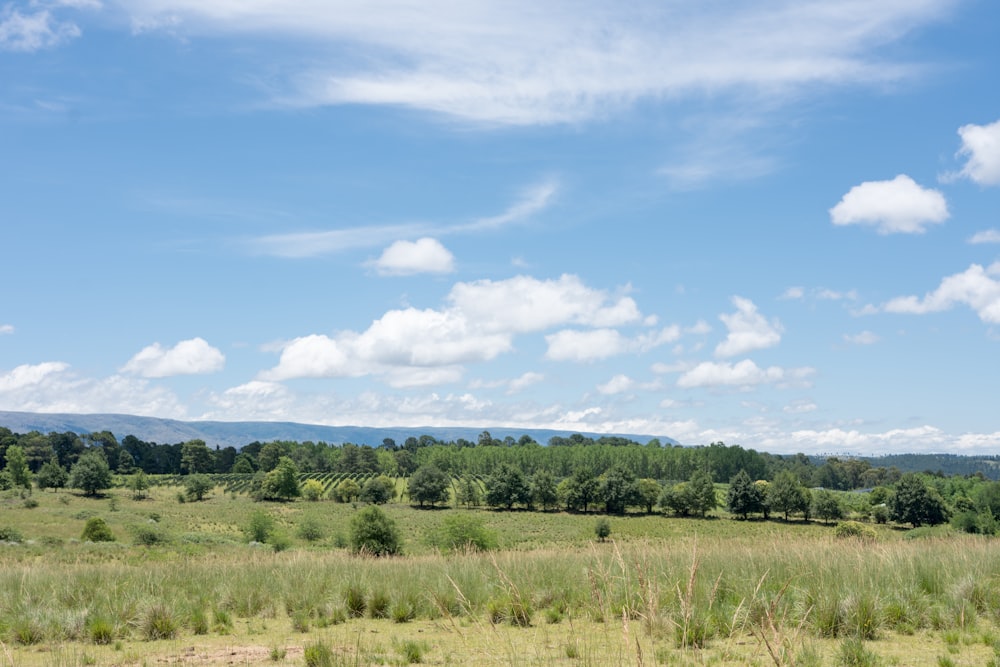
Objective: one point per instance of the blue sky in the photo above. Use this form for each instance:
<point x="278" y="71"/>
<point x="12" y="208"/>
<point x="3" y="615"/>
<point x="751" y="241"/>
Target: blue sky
<point x="773" y="224"/>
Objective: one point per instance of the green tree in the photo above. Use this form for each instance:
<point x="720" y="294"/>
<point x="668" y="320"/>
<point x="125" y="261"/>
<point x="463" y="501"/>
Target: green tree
<point x="270" y="454"/>
<point x="463" y="532"/>
<point x="17" y="468"/>
<point x="373" y="533"/>
<point x="138" y="484"/>
<point x="243" y="465"/>
<point x="579" y="491"/>
<point x="702" y="492"/>
<point x="312" y="489"/>
<point x="52" y="475"/>
<point x="196" y="457"/>
<point x="544" y="489"/>
<point x="744" y="497"/>
<point x="602" y="528"/>
<point x="507" y="487"/>
<point x="916" y="503"/>
<point x="619" y="490"/>
<point x="282" y="483"/>
<point x="90" y="473"/>
<point x="826" y="505"/>
<point x="347" y="490"/>
<point x="378" y="490"/>
<point x="469" y="492"/>
<point x="197" y="485"/>
<point x="428" y="485"/>
<point x="678" y="499"/>
<point x="649" y="493"/>
<point x="787" y="495"/>
<point x="96" y="529"/>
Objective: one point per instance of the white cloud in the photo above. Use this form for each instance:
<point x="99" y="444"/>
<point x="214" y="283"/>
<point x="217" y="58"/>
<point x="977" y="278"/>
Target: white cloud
<point x="313" y="244"/>
<point x="523" y="303"/>
<point x="741" y="374"/>
<point x="975" y="287"/>
<point x="53" y="387"/>
<point x="863" y="338"/>
<point x="33" y="31"/>
<point x="985" y="236"/>
<point x="834" y="295"/>
<point x="582" y="346"/>
<point x="618" y="384"/>
<point x="793" y="293"/>
<point x="748" y="330"/>
<point x="6" y="328"/>
<point x="404" y="377"/>
<point x="524" y="381"/>
<point x="519" y="62"/>
<point x="799" y="407"/>
<point x="188" y="357"/>
<point x="896" y="206"/>
<point x="981" y="144"/>
<point x="405" y="258"/>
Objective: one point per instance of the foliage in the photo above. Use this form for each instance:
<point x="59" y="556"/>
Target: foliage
<point x="17" y="468"/>
<point x="579" y="491"/>
<point x="649" y="493"/>
<point x="373" y="533"/>
<point x="197" y="485"/>
<point x="97" y="530"/>
<point x="259" y="528"/>
<point x="602" y="529"/>
<point x="10" y="534"/>
<point x="138" y="484"/>
<point x="917" y="503"/>
<point x="281" y="483"/>
<point x="91" y="473"/>
<point x="310" y="529"/>
<point x="787" y="495"/>
<point x="312" y="490"/>
<point x="506" y="487"/>
<point x="744" y="497"/>
<point x="428" y="485"/>
<point x="378" y="490"/>
<point x="51" y="475"/>
<point x="464" y="532"/>
<point x="346" y="491"/>
<point x="544" y="490"/>
<point x="826" y="505"/>
<point x="855" y="530"/>
<point x="619" y="490"/>
<point x="196" y="457"/>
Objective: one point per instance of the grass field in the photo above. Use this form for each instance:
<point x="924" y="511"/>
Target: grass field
<point x="180" y="585"/>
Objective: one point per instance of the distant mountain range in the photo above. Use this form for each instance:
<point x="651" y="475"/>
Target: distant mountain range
<point x="238" y="434"/>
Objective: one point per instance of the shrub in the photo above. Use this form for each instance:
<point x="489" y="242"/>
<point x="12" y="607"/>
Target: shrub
<point x="318" y="654"/>
<point x="602" y="529"/>
<point x="260" y="527"/>
<point x="148" y="536"/>
<point x="90" y="473"/>
<point x="97" y="530"/>
<point x="354" y="600"/>
<point x="279" y="541"/>
<point x="856" y="530"/>
<point x="8" y="534"/>
<point x="30" y="503"/>
<point x="310" y="529"/>
<point x="464" y="533"/>
<point x="312" y="489"/>
<point x="159" y="623"/>
<point x="196" y="486"/>
<point x="100" y="630"/>
<point x="375" y="534"/>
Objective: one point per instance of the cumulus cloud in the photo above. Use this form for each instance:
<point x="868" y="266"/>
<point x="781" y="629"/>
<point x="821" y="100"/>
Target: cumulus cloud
<point x="742" y="374"/>
<point x="478" y="324"/>
<point x="748" y="330"/>
<point x="618" y="384"/>
<point x="896" y="206"/>
<point x="405" y="258"/>
<point x="520" y="62"/>
<point x="524" y="381"/>
<point x="33" y="31"/>
<point x="863" y="338"/>
<point x="981" y="145"/>
<point x="985" y="236"/>
<point x="976" y="287"/>
<point x="188" y="357"/>
<point x="53" y="387"/>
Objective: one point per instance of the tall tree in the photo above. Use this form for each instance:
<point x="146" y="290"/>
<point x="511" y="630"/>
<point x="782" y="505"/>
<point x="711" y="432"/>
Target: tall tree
<point x="196" y="457"/>
<point x="428" y="485"/>
<point x="91" y="473"/>
<point x="917" y="503"/>
<point x="744" y="497"/>
<point x="17" y="468"/>
<point x="618" y="490"/>
<point x="507" y="487"/>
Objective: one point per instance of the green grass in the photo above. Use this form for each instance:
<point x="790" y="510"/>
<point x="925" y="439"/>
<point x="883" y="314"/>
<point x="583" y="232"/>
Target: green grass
<point x="676" y="591"/>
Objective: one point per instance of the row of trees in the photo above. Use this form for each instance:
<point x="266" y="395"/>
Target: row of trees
<point x="458" y="458"/>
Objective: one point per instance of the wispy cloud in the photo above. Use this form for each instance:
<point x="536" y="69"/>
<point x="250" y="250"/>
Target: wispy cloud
<point x="37" y="28"/>
<point x="6" y="328"/>
<point x="985" y="236"/>
<point x="317" y="243"/>
<point x="521" y="62"/>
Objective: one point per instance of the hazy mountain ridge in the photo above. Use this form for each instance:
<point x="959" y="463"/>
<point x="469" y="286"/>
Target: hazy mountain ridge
<point x="238" y="434"/>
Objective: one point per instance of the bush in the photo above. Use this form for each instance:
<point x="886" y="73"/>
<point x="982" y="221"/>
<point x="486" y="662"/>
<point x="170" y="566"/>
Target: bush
<point x="8" y="534"/>
<point x="260" y="527"/>
<point x="310" y="529"/>
<point x="148" y="536"/>
<point x="97" y="530"/>
<point x="854" y="529"/>
<point x="318" y="654"/>
<point x="464" y="533"/>
<point x="374" y="534"/>
<point x="312" y="489"/>
<point x="196" y="486"/>
<point x="159" y="623"/>
<point x="602" y="529"/>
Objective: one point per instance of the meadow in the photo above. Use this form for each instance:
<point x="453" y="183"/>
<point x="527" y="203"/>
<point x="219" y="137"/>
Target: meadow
<point x="181" y="584"/>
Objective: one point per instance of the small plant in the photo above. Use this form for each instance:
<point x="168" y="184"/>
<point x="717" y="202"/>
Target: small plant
<point x="318" y="654"/>
<point x="279" y="542"/>
<point x="300" y="621"/>
<point x="354" y="600"/>
<point x="403" y="611"/>
<point x="159" y="623"/>
<point x="854" y="654"/>
<point x="602" y="529"/>
<point x="8" y="534"/>
<point x="30" y="503"/>
<point x="199" y="622"/>
<point x="855" y="530"/>
<point x="277" y="653"/>
<point x="97" y="530"/>
<point x="412" y="651"/>
<point x="148" y="536"/>
<point x="310" y="528"/>
<point x="101" y="630"/>
<point x="260" y="527"/>
<point x="378" y="605"/>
